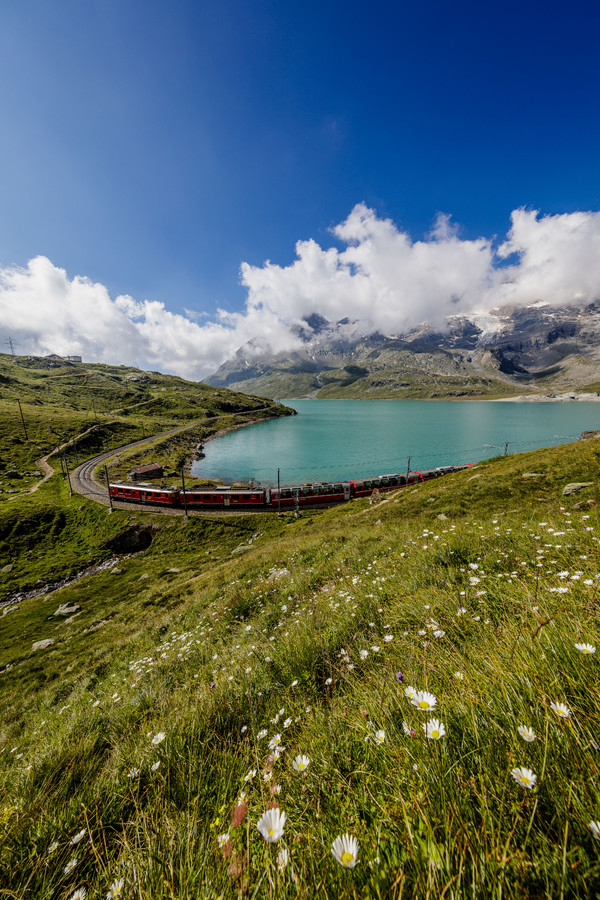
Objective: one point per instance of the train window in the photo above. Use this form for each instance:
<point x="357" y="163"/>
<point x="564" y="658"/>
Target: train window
<point x="307" y="491"/>
<point x="286" y="493"/>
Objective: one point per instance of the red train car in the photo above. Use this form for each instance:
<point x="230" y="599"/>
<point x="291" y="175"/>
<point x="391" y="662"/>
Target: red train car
<point x="145" y="493"/>
<point x="364" y="487"/>
<point x="223" y="498"/>
<point x="309" y="494"/>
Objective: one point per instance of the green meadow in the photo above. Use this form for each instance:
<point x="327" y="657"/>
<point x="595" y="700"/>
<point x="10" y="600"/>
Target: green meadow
<point x="415" y="677"/>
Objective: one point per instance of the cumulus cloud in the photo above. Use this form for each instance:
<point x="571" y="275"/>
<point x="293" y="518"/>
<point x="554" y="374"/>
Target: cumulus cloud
<point x="378" y="276"/>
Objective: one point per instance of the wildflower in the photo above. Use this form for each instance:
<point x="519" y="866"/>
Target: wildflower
<point x="133" y="773"/>
<point x="345" y="850"/>
<point x="155" y="766"/>
<point x="261" y="734"/>
<point x="585" y="648"/>
<point x="79" y="894"/>
<point x="388" y="638"/>
<point x="271" y="825"/>
<point x="115" y="889"/>
<point x="438" y="633"/>
<point x="244" y="729"/>
<point x="301" y="763"/>
<point x="595" y="829"/>
<point x="406" y="729"/>
<point x="562" y="711"/>
<point x="459" y="676"/>
<point x="410" y="692"/>
<point x="288" y="722"/>
<point x="52" y="847"/>
<point x="158" y="738"/>
<point x="250" y="775"/>
<point x="282" y="859"/>
<point x="379" y="736"/>
<point x="434" y="729"/>
<point x="423" y="700"/>
<point x="294" y="683"/>
<point x="78" y="837"/>
<point x="275" y="741"/>
<point x="524" y="777"/>
<point x="275" y="789"/>
<point x="364" y="654"/>
<point x="223" y="839"/>
<point x="328" y="680"/>
<point x="267" y="776"/>
<point x="528" y="734"/>
<point x="70" y="865"/>
<point x="375" y="649"/>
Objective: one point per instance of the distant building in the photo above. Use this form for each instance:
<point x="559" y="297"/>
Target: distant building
<point x="150" y="470"/>
<point x="64" y="358"/>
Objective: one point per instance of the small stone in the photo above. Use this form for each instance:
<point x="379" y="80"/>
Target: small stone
<point x="533" y="475"/>
<point x="442" y="517"/>
<point x="576" y="486"/>
<point x="7" y="568"/>
<point x="174" y="571"/>
<point x="67" y="609"/>
<point x="116" y="571"/>
<point x="42" y="645"/>
<point x="144" y="576"/>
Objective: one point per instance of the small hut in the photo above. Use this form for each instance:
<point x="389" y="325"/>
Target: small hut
<point x="150" y="470"/>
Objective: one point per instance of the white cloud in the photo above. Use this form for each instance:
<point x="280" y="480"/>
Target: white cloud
<point x="379" y="276"/>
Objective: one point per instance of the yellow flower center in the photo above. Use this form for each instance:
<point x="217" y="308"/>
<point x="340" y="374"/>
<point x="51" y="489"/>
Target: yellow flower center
<point x="424" y="704"/>
<point x="270" y="832"/>
<point x="435" y="734"/>
<point x="347" y="858"/>
<point x="524" y="779"/>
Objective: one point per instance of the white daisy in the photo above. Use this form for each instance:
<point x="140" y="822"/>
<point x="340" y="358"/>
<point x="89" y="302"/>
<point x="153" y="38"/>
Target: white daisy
<point x="345" y="850"/>
<point x="524" y="777"/>
<point x="562" y="711"/>
<point x="423" y="700"/>
<point x="301" y="763"/>
<point x="434" y="729"/>
<point x="271" y="825"/>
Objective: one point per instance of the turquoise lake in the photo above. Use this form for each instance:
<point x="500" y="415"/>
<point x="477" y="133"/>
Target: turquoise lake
<point x="340" y="439"/>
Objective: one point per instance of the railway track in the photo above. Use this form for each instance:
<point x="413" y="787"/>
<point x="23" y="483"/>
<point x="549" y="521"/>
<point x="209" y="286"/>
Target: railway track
<point x="84" y="483"/>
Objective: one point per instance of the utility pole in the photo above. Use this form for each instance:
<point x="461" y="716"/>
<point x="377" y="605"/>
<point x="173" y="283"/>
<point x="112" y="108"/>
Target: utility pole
<point x="68" y="475"/>
<point x="22" y="419"/>
<point x="296" y="503"/>
<point x="506" y="448"/>
<point x="408" y="468"/>
<point x="108" y="488"/>
<point x="11" y="344"/>
<point x="184" y="497"/>
<point x="278" y="495"/>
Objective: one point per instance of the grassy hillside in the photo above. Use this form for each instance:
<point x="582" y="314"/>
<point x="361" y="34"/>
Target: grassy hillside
<point x="243" y="663"/>
<point x="98" y="407"/>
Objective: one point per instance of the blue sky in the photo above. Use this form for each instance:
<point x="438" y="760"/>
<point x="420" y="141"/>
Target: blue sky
<point x="155" y="148"/>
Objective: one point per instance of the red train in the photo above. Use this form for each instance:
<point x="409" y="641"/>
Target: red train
<point x="314" y="494"/>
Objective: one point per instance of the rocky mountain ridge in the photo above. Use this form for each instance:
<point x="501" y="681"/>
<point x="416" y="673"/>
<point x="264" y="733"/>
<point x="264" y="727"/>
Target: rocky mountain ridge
<point x="513" y="349"/>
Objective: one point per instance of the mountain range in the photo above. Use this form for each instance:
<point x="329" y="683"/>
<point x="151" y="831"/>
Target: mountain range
<point x="510" y="350"/>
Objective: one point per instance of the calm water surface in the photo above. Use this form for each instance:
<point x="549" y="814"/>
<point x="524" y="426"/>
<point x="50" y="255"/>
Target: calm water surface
<point x="340" y="439"/>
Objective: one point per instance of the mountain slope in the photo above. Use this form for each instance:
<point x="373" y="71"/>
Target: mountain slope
<point x="510" y="350"/>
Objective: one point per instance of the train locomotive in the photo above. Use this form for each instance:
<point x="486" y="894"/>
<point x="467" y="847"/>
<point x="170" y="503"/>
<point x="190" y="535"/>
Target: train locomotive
<point x="314" y="494"/>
